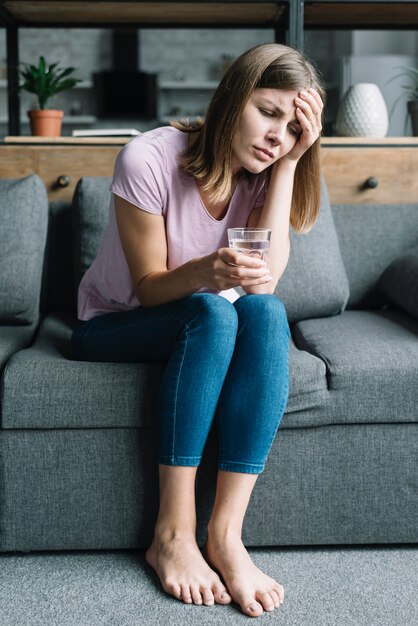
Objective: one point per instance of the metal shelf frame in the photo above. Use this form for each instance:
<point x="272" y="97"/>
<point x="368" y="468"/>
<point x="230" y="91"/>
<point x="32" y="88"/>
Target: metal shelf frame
<point x="288" y="18"/>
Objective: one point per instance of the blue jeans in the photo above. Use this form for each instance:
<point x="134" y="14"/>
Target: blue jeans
<point x="223" y="359"/>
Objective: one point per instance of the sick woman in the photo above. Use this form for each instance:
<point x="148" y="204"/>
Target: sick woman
<point x="161" y="289"/>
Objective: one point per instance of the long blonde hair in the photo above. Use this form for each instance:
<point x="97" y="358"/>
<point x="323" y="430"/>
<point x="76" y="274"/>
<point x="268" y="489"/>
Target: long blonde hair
<point x="209" y="158"/>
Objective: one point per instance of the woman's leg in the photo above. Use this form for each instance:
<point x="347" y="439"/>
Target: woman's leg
<point x="174" y="553"/>
<point x="196" y="336"/>
<point x="250" y="408"/>
<point x="253" y="590"/>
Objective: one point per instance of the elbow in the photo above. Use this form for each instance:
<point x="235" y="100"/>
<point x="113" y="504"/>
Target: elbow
<point x="144" y="293"/>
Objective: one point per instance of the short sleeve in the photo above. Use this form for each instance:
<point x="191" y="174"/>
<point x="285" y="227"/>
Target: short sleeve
<point x="140" y="175"/>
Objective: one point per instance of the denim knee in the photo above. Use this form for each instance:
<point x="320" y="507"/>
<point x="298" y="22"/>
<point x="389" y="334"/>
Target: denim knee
<point x="216" y="312"/>
<point x="262" y="309"/>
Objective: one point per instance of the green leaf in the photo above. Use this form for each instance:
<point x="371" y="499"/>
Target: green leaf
<point x="46" y="80"/>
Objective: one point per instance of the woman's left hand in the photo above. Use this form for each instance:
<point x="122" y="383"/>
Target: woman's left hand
<point x="309" y="108"/>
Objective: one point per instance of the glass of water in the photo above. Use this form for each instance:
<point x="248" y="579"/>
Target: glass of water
<point x="252" y="241"/>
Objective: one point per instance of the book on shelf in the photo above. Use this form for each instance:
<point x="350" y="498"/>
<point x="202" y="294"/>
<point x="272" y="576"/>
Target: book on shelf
<point x="106" y="132"/>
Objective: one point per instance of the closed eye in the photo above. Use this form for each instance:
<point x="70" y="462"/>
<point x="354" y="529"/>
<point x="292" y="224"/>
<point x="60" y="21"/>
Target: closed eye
<point x="294" y="131"/>
<point x="267" y="112"/>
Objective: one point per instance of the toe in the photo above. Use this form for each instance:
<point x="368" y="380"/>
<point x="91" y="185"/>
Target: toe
<point x="172" y="588"/>
<point x="266" y="601"/>
<point x="276" y="598"/>
<point x="196" y="595"/>
<point x="207" y="595"/>
<point x="221" y="594"/>
<point x="279" y="589"/>
<point x="186" y="596"/>
<point x="252" y="608"/>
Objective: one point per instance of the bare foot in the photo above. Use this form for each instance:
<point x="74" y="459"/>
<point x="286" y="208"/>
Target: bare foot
<point x="183" y="571"/>
<point x="249" y="587"/>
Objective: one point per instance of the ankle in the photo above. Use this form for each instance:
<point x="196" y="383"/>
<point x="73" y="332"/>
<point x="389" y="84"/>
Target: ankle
<point x="224" y="531"/>
<point x="166" y="533"/>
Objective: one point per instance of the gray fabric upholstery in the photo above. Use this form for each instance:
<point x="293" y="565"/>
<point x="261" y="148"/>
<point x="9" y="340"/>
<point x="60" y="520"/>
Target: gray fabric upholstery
<point x="371" y="237"/>
<point x="315" y="283"/>
<point x="338" y="484"/>
<point x="68" y="489"/>
<point x="90" y="218"/>
<point x="97" y="488"/>
<point x="372" y="364"/>
<point x="399" y="281"/>
<point x="24" y="216"/>
<point x="13" y="339"/>
<point x="44" y="388"/>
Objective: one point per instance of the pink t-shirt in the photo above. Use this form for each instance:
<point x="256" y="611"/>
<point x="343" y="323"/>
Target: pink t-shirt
<point x="147" y="174"/>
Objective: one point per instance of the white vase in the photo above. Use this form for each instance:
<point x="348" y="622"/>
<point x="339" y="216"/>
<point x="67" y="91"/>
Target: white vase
<point x="362" y="112"/>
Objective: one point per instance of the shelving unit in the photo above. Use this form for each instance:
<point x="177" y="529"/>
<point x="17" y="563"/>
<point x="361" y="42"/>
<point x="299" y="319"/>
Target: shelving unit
<point x="174" y="98"/>
<point x="69" y="119"/>
<point x="288" y="18"/>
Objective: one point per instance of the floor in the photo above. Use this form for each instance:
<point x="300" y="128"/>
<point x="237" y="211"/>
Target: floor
<point x="325" y="586"/>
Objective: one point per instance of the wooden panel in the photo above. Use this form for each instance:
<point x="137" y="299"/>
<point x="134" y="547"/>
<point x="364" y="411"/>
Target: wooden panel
<point x="43" y="12"/>
<point x="346" y="171"/>
<point x="37" y="140"/>
<point x="346" y="168"/>
<point x="51" y="162"/>
<point x="352" y="14"/>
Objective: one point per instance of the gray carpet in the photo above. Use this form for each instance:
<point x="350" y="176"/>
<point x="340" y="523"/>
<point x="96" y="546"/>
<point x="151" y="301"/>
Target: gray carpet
<point x="325" y="586"/>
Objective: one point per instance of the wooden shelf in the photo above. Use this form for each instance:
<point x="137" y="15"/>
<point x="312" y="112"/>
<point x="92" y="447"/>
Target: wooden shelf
<point x="65" y="141"/>
<point x="138" y="14"/>
<point x="101" y="13"/>
<point x="388" y="142"/>
<point x="357" y="15"/>
<point x="325" y="141"/>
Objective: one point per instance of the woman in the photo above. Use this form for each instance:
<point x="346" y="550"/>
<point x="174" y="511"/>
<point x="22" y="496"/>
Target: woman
<point x="160" y="289"/>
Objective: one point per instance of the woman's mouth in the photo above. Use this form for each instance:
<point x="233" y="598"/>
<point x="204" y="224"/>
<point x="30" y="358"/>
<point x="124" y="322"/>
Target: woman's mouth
<point x="263" y="154"/>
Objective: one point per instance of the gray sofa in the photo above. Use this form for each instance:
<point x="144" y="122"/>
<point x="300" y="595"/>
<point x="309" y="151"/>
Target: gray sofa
<point x="77" y="440"/>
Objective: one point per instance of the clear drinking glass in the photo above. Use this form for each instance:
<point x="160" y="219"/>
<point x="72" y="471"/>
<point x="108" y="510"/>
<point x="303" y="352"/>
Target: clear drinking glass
<point x="252" y="241"/>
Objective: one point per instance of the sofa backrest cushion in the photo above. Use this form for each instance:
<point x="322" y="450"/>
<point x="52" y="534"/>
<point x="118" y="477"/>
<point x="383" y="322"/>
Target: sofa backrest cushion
<point x="371" y="237"/>
<point x="24" y="223"/>
<point x="399" y="281"/>
<point x="90" y="218"/>
<point x="314" y="283"/>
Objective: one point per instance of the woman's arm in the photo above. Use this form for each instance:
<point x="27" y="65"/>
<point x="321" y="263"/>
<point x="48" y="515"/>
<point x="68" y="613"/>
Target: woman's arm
<point x="275" y="213"/>
<point x="144" y="243"/>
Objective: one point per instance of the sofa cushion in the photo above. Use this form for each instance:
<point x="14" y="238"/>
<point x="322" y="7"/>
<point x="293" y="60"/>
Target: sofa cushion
<point x="90" y="218"/>
<point x="371" y="237"/>
<point x="400" y="281"/>
<point x="372" y="364"/>
<point x="314" y="283"/>
<point x="43" y="388"/>
<point x="14" y="338"/>
<point x="24" y="220"/>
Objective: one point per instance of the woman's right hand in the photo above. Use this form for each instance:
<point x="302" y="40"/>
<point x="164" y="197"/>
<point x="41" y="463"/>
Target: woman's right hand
<point x="228" y="268"/>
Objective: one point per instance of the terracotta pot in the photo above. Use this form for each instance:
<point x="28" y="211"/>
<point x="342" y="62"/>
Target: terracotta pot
<point x="413" y="112"/>
<point x="45" y="122"/>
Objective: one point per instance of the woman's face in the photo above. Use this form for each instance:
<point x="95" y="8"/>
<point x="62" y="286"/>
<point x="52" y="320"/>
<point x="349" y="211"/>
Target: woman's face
<point x="268" y="129"/>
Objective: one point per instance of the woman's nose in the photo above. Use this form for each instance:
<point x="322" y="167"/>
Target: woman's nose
<point x="276" y="135"/>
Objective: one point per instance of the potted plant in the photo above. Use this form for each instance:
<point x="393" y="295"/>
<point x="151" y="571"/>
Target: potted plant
<point x="45" y="81"/>
<point x="411" y="92"/>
